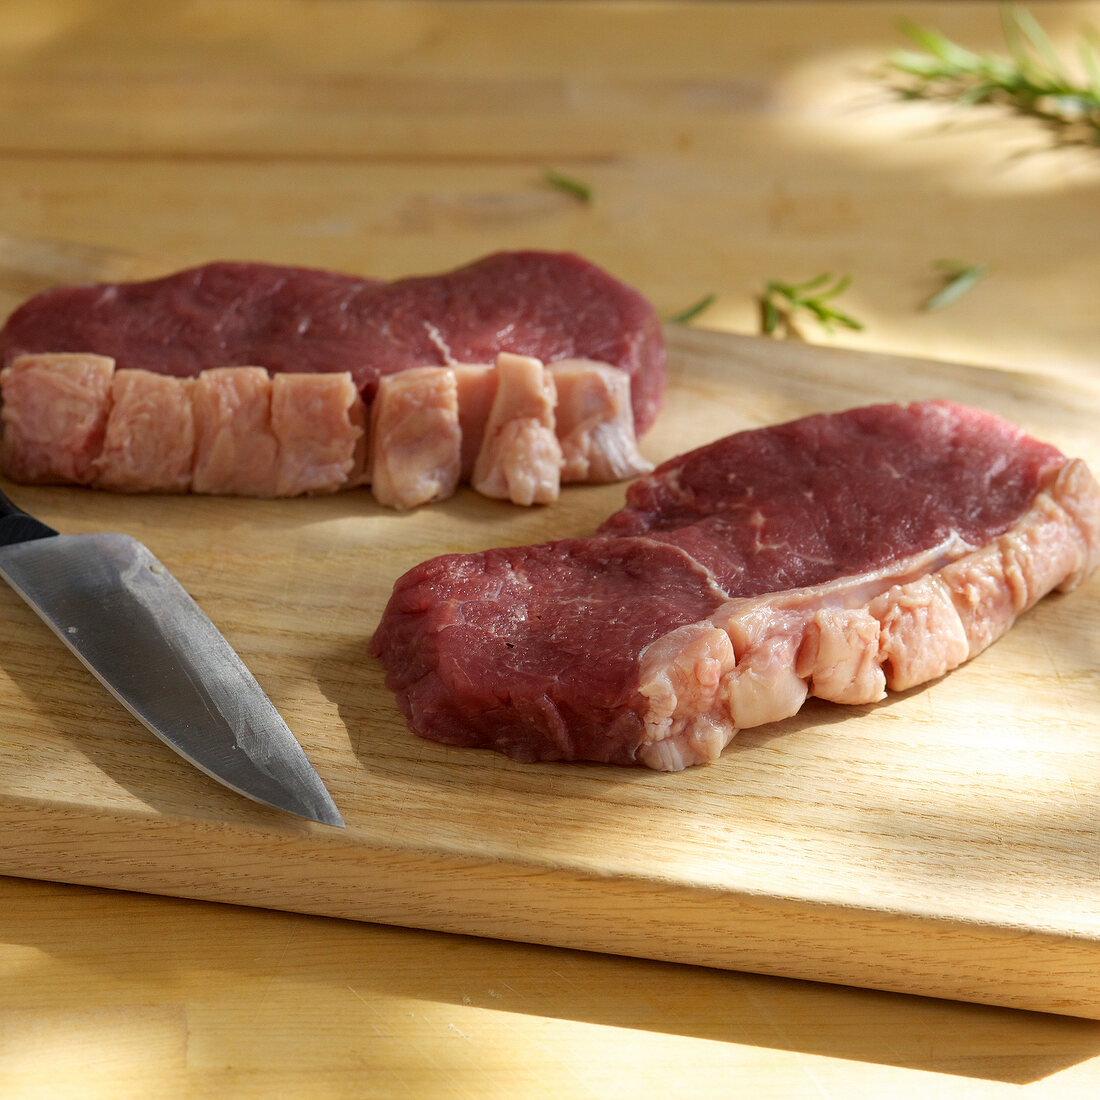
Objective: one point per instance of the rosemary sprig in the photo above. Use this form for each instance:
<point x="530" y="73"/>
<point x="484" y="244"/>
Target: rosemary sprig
<point x="685" y="316"/>
<point x="569" y="185"/>
<point x="782" y="302"/>
<point x="960" y="277"/>
<point x="1031" y="78"/>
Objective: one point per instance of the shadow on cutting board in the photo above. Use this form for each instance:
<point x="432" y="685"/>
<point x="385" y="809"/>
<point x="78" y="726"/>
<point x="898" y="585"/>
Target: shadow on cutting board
<point x="334" y="965"/>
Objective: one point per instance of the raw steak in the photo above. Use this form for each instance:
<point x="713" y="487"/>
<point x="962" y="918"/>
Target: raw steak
<point x="547" y="305"/>
<point x="836" y="556"/>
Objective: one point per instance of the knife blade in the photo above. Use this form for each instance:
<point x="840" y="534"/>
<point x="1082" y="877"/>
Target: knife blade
<point x="135" y="627"/>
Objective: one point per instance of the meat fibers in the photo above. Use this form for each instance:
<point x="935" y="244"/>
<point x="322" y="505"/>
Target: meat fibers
<point x="547" y="305"/>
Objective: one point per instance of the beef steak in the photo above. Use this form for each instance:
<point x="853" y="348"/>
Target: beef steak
<point x="289" y="319"/>
<point x="837" y="555"/>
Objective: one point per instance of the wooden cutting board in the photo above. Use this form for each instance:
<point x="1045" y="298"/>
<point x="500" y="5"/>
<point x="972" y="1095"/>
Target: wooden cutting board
<point x="945" y="841"/>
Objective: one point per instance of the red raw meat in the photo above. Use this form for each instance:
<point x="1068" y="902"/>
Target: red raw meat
<point x="838" y="555"/>
<point x="547" y="305"/>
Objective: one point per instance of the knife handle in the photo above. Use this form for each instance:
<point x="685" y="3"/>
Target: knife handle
<point x="17" y="526"/>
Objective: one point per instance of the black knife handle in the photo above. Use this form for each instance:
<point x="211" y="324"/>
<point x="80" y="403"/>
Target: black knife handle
<point x="17" y="526"/>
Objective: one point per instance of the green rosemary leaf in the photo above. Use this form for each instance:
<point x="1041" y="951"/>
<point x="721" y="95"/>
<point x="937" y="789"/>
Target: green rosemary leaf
<point x="1088" y="49"/>
<point x="781" y="302"/>
<point x="693" y="311"/>
<point x="1031" y="77"/>
<point x="839" y="287"/>
<point x="938" y="45"/>
<point x="769" y="316"/>
<point x="797" y="290"/>
<point x="1030" y="30"/>
<point x="828" y="317"/>
<point x="915" y="64"/>
<point x="835" y="317"/>
<point x="960" y="278"/>
<point x="978" y="93"/>
<point x="569" y="185"/>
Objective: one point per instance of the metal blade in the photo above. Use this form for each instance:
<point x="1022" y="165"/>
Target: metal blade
<point x="136" y="628"/>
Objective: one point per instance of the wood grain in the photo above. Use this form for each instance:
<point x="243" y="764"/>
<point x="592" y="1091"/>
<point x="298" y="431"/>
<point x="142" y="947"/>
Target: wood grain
<point x="724" y="144"/>
<point x="945" y="842"/>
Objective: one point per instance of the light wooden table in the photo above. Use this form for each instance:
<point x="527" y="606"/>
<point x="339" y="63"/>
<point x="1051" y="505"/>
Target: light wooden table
<point x="724" y="144"/>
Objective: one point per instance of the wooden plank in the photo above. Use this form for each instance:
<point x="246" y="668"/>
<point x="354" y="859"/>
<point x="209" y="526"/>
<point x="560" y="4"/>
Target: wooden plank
<point x="946" y="841"/>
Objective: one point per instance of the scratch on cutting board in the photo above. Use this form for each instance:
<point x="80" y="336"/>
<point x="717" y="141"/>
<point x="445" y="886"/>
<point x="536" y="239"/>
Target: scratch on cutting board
<point x="1044" y="642"/>
<point x="767" y="1015"/>
<point x="276" y="970"/>
<point x="359" y="996"/>
<point x="524" y="1038"/>
<point x="1076" y="796"/>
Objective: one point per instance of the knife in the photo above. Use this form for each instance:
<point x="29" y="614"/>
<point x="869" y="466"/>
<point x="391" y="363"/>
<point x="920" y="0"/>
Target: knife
<point x="139" y="632"/>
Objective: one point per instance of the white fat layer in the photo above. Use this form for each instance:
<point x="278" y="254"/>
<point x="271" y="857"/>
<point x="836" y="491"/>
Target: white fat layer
<point x="756" y="660"/>
<point x="74" y="419"/>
